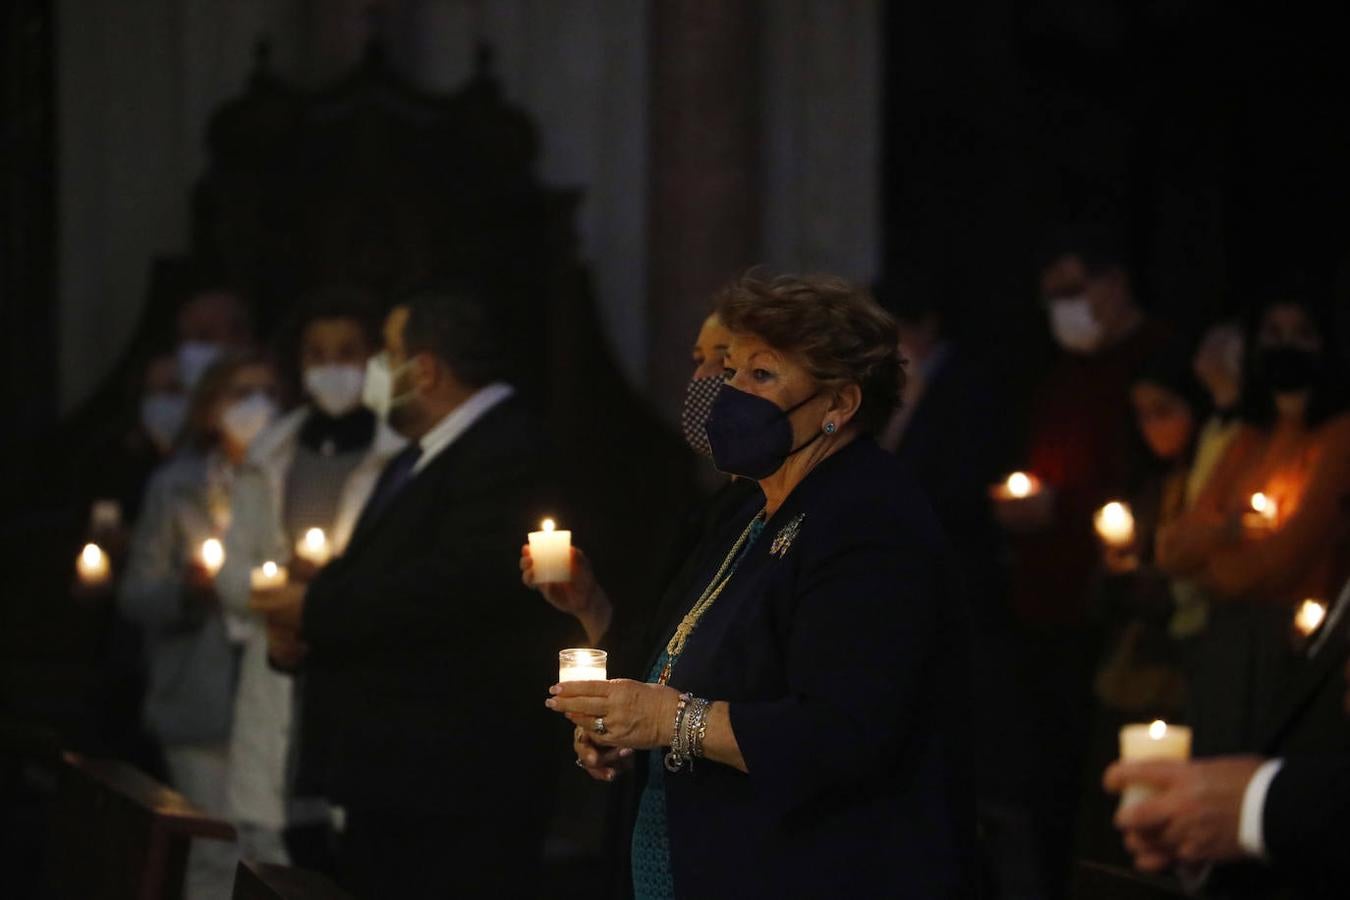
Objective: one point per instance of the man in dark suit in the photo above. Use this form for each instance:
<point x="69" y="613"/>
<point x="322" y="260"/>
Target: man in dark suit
<point x="1273" y="822"/>
<point x="424" y="659"/>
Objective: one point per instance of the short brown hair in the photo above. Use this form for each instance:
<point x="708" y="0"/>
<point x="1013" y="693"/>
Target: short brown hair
<point x="831" y="325"/>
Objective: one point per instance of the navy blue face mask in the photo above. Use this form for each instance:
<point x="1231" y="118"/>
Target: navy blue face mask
<point x="751" y="436"/>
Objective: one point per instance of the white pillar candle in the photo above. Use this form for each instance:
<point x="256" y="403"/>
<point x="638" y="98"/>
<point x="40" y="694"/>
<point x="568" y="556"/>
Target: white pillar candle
<point x="1115" y="524"/>
<point x="551" y="553"/>
<point x="212" y="555"/>
<point x="1310" y="616"/>
<point x="92" y="566"/>
<point x="1157" y="740"/>
<point x="268" y="576"/>
<point x="582" y="664"/>
<point x="313" y="547"/>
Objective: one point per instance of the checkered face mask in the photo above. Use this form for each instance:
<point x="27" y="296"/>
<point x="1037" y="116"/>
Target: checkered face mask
<point x="698" y="401"/>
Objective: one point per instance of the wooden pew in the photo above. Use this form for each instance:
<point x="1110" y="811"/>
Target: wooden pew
<point x="264" y="881"/>
<point x="118" y="834"/>
<point x="1098" y="881"/>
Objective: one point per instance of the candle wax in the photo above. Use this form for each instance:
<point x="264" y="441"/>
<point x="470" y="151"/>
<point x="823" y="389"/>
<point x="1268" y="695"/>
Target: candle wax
<point x="1154" y="741"/>
<point x="551" y="554"/>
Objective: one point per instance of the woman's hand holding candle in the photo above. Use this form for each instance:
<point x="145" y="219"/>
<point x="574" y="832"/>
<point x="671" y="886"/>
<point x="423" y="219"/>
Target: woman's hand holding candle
<point x="1022" y="503"/>
<point x="637" y="715"/>
<point x="601" y="763"/>
<point x="92" y="566"/>
<point x="581" y="596"/>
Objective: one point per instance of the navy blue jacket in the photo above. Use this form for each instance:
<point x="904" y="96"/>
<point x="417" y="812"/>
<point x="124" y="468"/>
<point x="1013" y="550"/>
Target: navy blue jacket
<point x="843" y="657"/>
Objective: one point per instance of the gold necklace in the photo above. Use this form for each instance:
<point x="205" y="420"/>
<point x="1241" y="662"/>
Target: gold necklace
<point x="714" y="589"/>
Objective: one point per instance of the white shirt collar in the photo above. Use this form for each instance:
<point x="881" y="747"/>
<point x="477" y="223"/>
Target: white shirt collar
<point x="461" y="419"/>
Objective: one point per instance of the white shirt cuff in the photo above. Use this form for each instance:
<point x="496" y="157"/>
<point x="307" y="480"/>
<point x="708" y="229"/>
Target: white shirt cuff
<point x="1251" y="833"/>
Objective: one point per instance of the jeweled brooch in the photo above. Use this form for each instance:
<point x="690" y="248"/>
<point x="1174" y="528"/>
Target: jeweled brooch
<point x="782" y="541"/>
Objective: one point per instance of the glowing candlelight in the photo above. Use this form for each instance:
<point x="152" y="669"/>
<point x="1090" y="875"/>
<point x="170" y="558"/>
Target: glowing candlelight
<point x="268" y="576"/>
<point x="212" y="555"/>
<point x="92" y="565"/>
<point x="1310" y="616"/>
<point x="1115" y="524"/>
<point x="313" y="547"/>
<point x="1020" y="485"/>
<point x="551" y="552"/>
<point x="1157" y="740"/>
<point x="582" y="664"/>
<point x="1265" y="506"/>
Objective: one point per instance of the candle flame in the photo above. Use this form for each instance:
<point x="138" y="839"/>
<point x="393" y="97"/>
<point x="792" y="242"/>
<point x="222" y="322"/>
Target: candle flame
<point x="316" y="540"/>
<point x="1019" y="484"/>
<point x="269" y="569"/>
<point x="92" y="555"/>
<point x="1158" y="730"/>
<point x="213" y="553"/>
<point x="548" y="525"/>
<point x="1310" y="615"/>
<point x="1260" y="502"/>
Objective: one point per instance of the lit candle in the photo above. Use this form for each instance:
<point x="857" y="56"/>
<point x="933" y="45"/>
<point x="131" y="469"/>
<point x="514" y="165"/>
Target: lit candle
<point x="1115" y="524"/>
<point x="268" y="576"/>
<point x="92" y="565"/>
<point x="212" y="555"/>
<point x="1265" y="508"/>
<point x="1310" y="616"/>
<point x="1017" y="486"/>
<point x="1154" y="741"/>
<point x="580" y="664"/>
<point x="313" y="547"/>
<point x="551" y="552"/>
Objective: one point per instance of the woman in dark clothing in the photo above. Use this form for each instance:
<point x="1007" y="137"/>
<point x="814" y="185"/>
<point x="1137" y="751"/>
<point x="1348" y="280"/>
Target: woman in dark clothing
<point x="803" y="711"/>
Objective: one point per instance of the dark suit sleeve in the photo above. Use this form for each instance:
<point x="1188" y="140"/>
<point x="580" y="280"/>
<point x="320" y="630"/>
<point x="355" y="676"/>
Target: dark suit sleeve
<point x="1306" y="820"/>
<point x="455" y="586"/>
<point x="865" y="625"/>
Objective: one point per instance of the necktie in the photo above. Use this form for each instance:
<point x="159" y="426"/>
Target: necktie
<point x="392" y="480"/>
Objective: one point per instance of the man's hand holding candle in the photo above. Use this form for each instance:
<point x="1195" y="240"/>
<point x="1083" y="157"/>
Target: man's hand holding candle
<point x="199" y="588"/>
<point x="1195" y="815"/>
<point x="280" y="606"/>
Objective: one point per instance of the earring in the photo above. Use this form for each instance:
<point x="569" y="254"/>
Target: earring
<point x="829" y="427"/>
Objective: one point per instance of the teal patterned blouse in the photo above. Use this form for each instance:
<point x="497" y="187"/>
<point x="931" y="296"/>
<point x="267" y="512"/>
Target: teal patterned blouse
<point x="652" y="878"/>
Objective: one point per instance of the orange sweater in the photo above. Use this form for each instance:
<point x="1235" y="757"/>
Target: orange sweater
<point x="1306" y="471"/>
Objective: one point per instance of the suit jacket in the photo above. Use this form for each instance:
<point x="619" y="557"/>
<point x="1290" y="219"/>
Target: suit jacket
<point x="843" y="658"/>
<point x="429" y="661"/>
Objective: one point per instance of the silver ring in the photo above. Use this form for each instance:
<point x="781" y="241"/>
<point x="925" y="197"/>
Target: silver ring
<point x="599" y="726"/>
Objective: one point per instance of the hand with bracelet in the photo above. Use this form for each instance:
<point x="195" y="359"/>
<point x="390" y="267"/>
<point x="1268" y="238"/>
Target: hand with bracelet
<point x="632" y="715"/>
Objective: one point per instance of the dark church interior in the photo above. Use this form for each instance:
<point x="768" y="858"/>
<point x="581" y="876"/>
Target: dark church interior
<point x="939" y="413"/>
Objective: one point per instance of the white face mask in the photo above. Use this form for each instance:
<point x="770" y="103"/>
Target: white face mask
<point x="378" y="392"/>
<point x="245" y="419"/>
<point x="194" y="358"/>
<point x="1074" y="325"/>
<point x="335" y="389"/>
<point x="162" y="415"/>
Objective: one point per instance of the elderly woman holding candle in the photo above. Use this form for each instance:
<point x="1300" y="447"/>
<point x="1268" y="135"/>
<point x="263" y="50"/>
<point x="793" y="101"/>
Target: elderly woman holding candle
<point x="801" y="717"/>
